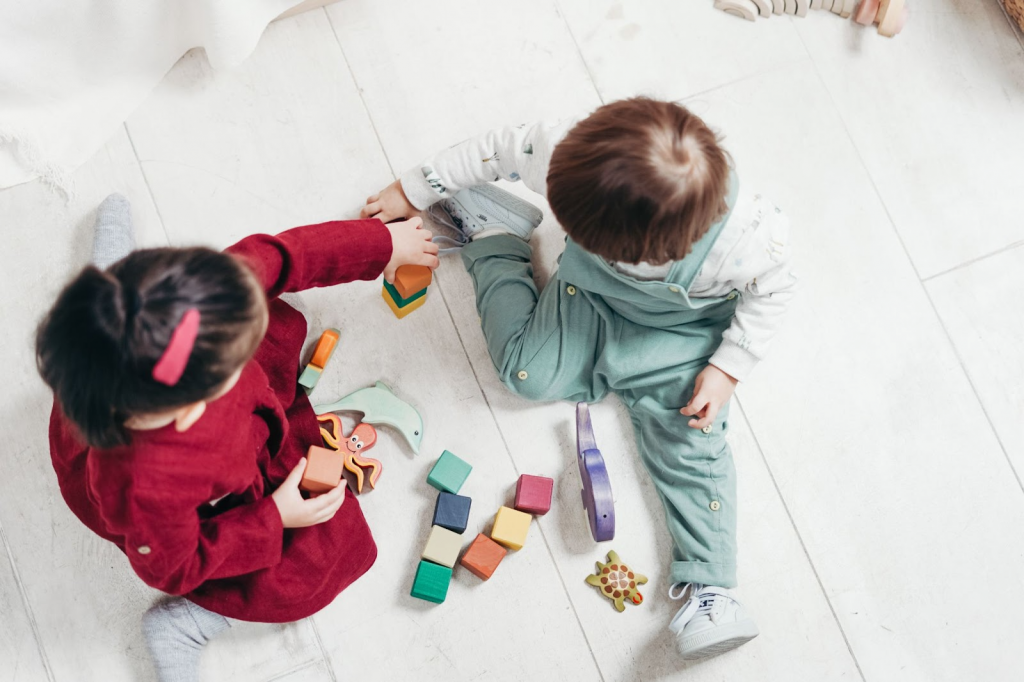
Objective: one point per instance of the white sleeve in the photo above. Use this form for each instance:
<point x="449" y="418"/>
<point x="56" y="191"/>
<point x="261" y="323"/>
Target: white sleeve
<point x="758" y="266"/>
<point x="514" y="153"/>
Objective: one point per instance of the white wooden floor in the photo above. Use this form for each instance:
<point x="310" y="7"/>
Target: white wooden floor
<point x="880" y="449"/>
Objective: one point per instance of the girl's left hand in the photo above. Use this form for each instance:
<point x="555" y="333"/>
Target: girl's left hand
<point x="410" y="245"/>
<point x="711" y="390"/>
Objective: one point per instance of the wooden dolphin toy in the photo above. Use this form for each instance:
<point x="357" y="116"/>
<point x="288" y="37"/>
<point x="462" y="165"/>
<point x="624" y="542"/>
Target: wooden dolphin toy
<point x="379" y="405"/>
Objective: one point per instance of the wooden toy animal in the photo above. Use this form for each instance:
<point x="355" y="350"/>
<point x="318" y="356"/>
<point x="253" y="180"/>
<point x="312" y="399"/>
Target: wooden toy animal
<point x="597" y="488"/>
<point x="617" y="581"/>
<point x="363" y="437"/>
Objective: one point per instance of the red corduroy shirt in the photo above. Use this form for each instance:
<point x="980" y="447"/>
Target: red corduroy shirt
<point x="153" y="497"/>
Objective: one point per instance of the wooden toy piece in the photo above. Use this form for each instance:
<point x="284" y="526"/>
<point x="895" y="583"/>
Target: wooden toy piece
<point x="323" y="470"/>
<point x="452" y="512"/>
<point x="533" y="494"/>
<point x="826" y="5"/>
<point x="815" y="4"/>
<point x="325" y="348"/>
<point x="449" y="473"/>
<point x="483" y="556"/>
<point x="362" y="438"/>
<point x="379" y="405"/>
<point x="789" y="7"/>
<point x="309" y="377"/>
<point x="442" y="546"/>
<point x="597" y="488"/>
<point x="330" y="429"/>
<point x="779" y="7"/>
<point x="511" y="527"/>
<point x="892" y="17"/>
<point x="837" y="6"/>
<point x="397" y="297"/>
<point x="764" y="8"/>
<point x="410" y="279"/>
<point x="402" y="312"/>
<point x="617" y="581"/>
<point x="745" y="9"/>
<point x="802" y="6"/>
<point x="848" y="7"/>
<point x="431" y="582"/>
<point x="866" y="12"/>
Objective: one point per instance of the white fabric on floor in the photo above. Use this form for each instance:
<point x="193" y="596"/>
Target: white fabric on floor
<point x="72" y="71"/>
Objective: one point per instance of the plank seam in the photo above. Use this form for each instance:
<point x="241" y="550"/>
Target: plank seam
<point x="583" y="60"/>
<point x="323" y="651"/>
<point x="28" y="607"/>
<point x="972" y="261"/>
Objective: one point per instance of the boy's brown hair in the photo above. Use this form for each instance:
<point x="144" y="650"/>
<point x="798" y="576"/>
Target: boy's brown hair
<point x="638" y="180"/>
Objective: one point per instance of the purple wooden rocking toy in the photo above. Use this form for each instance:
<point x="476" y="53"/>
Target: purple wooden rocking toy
<point x="597" y="488"/>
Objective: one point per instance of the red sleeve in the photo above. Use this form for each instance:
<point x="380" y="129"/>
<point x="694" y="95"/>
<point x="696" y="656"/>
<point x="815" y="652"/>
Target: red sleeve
<point x="317" y="255"/>
<point x="186" y="551"/>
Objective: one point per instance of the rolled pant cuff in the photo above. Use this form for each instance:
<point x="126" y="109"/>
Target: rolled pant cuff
<point x="718" y="575"/>
<point x="498" y="245"/>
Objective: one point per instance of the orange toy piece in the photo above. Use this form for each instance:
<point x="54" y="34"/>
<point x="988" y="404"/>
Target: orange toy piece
<point x="323" y="470"/>
<point x="483" y="557"/>
<point x="410" y="279"/>
<point x="363" y="437"/>
<point x="325" y="348"/>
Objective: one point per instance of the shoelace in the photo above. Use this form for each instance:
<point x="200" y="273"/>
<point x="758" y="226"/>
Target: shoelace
<point x="701" y="601"/>
<point x="441" y="217"/>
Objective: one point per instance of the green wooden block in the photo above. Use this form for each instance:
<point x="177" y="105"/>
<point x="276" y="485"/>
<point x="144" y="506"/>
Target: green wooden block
<point x="397" y="297"/>
<point x="309" y="377"/>
<point x="431" y="583"/>
<point x="449" y="473"/>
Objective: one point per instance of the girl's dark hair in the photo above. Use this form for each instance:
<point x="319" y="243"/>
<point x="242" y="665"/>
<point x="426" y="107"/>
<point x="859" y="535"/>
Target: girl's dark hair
<point x="638" y="180"/>
<point x="97" y="346"/>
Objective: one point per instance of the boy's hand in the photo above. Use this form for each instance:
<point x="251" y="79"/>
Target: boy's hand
<point x="389" y="205"/>
<point x="298" y="513"/>
<point x="711" y="390"/>
<point x="410" y="245"/>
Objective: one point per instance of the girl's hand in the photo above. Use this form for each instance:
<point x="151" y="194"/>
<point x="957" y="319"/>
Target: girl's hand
<point x="410" y="245"/>
<point x="390" y="204"/>
<point x="299" y="513"/>
<point x="711" y="390"/>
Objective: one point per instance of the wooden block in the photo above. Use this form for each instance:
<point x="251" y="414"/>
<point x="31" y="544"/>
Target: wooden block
<point x="310" y="376"/>
<point x="452" y="512"/>
<point x="778" y="7"/>
<point x="402" y="312"/>
<point x="483" y="557"/>
<point x="815" y="4"/>
<point x="802" y="6"/>
<point x="789" y="7"/>
<point x="764" y="8"/>
<point x="397" y="298"/>
<point x="837" y="6"/>
<point x="866" y="12"/>
<point x="325" y="348"/>
<point x="323" y="470"/>
<point x="533" y="494"/>
<point x="449" y="473"/>
<point x="826" y="5"/>
<point x="431" y="582"/>
<point x="412" y="278"/>
<point x="511" y="527"/>
<point x="848" y="7"/>
<point x="892" y="16"/>
<point x="443" y="546"/>
<point x="745" y="9"/>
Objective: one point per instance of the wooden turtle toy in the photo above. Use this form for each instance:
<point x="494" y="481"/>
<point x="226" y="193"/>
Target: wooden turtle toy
<point x="617" y="581"/>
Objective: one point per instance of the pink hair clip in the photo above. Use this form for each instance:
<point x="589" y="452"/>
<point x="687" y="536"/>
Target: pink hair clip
<point x="171" y="365"/>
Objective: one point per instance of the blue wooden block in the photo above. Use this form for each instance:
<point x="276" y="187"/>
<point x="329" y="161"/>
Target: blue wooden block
<point x="452" y="512"/>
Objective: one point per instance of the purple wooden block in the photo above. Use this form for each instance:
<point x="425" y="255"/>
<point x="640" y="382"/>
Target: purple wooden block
<point x="597" y="489"/>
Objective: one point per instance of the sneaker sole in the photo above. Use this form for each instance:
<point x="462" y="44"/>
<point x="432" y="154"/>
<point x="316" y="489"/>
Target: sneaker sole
<point x="717" y="640"/>
<point x="511" y="202"/>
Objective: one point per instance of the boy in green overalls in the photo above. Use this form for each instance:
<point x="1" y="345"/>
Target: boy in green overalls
<point x="670" y="288"/>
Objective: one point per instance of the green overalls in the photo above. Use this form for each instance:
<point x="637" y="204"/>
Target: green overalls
<point x="594" y="330"/>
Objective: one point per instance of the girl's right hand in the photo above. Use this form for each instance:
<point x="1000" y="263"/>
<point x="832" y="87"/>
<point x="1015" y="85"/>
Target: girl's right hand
<point x="297" y="512"/>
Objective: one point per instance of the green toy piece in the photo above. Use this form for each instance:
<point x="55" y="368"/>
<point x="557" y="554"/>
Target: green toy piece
<point x="449" y="473"/>
<point x="309" y="377"/>
<point x="431" y="582"/>
<point x="617" y="581"/>
<point x="379" y="405"/>
<point x="397" y="297"/>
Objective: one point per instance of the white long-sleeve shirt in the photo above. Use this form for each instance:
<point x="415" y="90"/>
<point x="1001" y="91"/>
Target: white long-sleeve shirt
<point x="751" y="254"/>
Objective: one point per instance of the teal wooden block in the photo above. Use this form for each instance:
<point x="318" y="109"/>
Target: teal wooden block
<point x="397" y="297"/>
<point x="431" y="582"/>
<point x="449" y="473"/>
<point x="309" y="377"/>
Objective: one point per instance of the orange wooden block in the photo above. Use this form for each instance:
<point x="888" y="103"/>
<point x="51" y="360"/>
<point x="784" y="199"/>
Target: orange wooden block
<point x="324" y="348"/>
<point x="483" y="557"/>
<point x="323" y="470"/>
<point x="412" y="278"/>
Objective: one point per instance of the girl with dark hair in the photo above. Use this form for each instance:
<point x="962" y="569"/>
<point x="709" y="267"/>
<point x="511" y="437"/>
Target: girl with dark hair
<point x="155" y="362"/>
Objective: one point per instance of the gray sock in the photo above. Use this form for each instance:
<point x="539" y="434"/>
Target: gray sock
<point x="176" y="631"/>
<point x="115" y="235"/>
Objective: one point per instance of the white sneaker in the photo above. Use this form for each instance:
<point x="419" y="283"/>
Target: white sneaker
<point x="710" y="622"/>
<point x="485" y="208"/>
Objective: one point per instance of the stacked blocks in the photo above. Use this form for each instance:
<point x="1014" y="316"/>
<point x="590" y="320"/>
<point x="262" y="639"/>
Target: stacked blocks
<point x="323" y="470"/>
<point x="533" y="494"/>
<point x="409" y="291"/>
<point x="483" y="556"/>
<point x="431" y="582"/>
<point x="452" y="512"/>
<point x="321" y="354"/>
<point x="511" y="527"/>
<point x="449" y="473"/>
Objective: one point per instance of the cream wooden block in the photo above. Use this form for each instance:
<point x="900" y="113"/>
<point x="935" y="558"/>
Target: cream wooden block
<point x="764" y="8"/>
<point x="789" y="7"/>
<point x="837" y="6"/>
<point x="802" y="6"/>
<point x="826" y="5"/>
<point x="815" y="4"/>
<point x="848" y="7"/>
<point x="779" y="7"/>
<point x="890" y="13"/>
<point x="745" y="9"/>
<point x="443" y="546"/>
